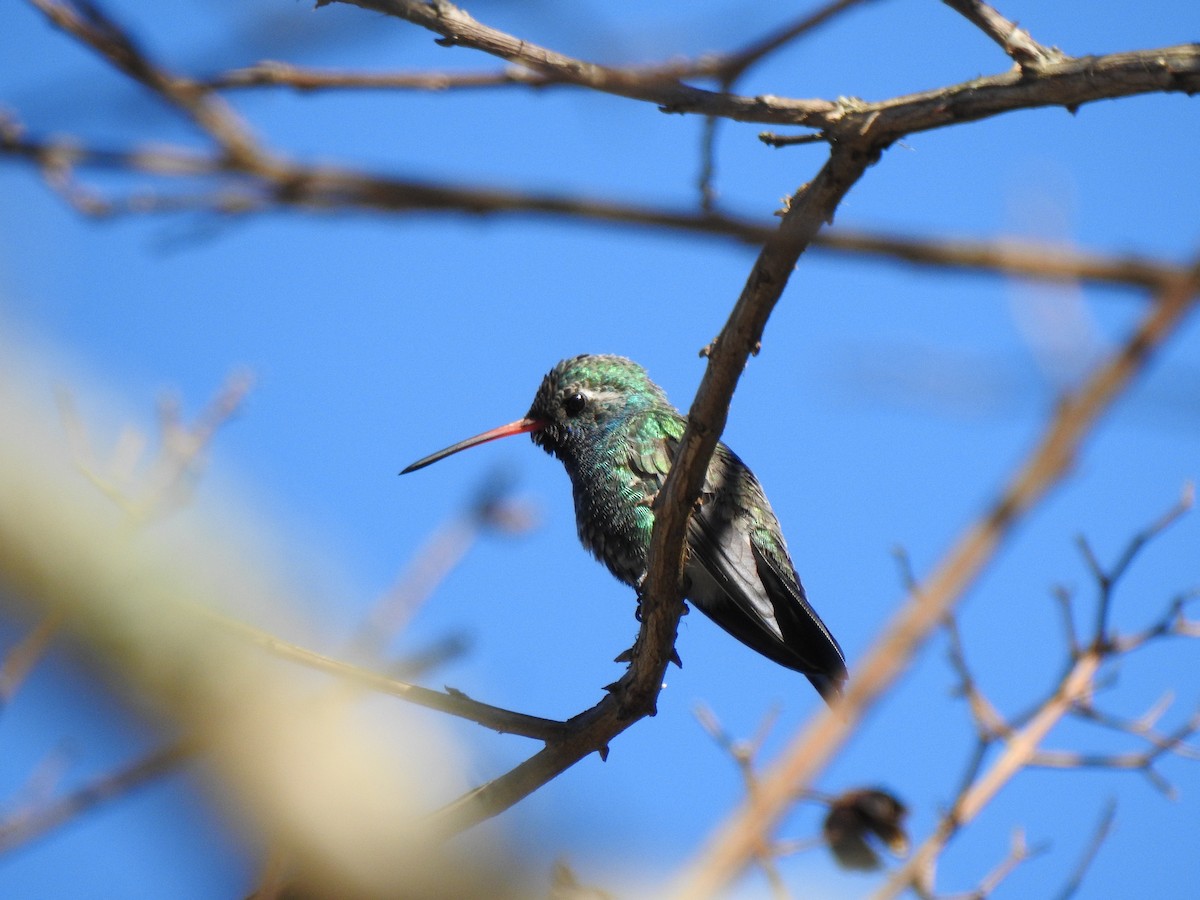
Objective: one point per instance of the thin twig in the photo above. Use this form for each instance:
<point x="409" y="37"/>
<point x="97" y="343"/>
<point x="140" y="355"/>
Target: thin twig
<point x="21" y="659"/>
<point x="1019" y="749"/>
<point x="1143" y="762"/>
<point x="1063" y="596"/>
<point x="178" y="463"/>
<point x="90" y="25"/>
<point x="328" y="188"/>
<point x="1019" y="852"/>
<point x="1106" y="578"/>
<point x="488" y="510"/>
<point x="281" y="74"/>
<point x="989" y="724"/>
<point x="1016" y="42"/>
<point x="1103" y="830"/>
<point x="728" y="68"/>
<point x="1022" y="747"/>
<point x="771" y="139"/>
<point x="26" y="825"/>
<point x="454" y="703"/>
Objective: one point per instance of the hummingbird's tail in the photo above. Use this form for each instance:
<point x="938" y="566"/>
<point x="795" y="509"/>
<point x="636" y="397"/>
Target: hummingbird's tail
<point x="828" y="686"/>
<point x="762" y="604"/>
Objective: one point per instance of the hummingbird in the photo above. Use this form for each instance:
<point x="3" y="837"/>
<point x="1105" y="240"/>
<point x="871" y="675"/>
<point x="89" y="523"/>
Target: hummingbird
<point x="615" y="432"/>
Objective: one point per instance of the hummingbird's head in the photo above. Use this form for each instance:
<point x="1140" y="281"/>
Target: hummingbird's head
<point x="581" y="401"/>
<point x="585" y="397"/>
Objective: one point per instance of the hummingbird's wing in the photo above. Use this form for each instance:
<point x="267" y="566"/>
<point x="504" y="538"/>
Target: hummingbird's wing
<point x="743" y="579"/>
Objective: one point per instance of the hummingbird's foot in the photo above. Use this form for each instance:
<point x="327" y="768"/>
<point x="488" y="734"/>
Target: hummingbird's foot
<point x="637" y="610"/>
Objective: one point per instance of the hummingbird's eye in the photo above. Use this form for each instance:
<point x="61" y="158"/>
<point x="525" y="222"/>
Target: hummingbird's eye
<point x="574" y="404"/>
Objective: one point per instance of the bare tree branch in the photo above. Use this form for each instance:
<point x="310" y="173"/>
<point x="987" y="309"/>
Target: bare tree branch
<point x="87" y="23"/>
<point x="858" y="133"/>
<point x="1019" y="851"/>
<point x="1022" y="746"/>
<point x="455" y="703"/>
<point x="730" y="67"/>
<point x="21" y="659"/>
<point x="1019" y="750"/>
<point x="306" y="80"/>
<point x="1103" y="830"/>
<point x="25" y="825"/>
<point x="328" y="188"/>
<point x="1069" y="83"/>
<point x="1016" y="42"/>
<point x="167" y="481"/>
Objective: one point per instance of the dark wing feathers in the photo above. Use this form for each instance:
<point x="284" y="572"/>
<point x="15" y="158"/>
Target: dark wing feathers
<point x="764" y="606"/>
<point x="803" y="631"/>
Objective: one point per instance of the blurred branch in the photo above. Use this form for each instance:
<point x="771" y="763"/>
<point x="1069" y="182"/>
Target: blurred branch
<point x="26" y="825"/>
<point x="1019" y="851"/>
<point x="86" y="22"/>
<point x="858" y="133"/>
<point x="1142" y="762"/>
<point x="180" y="457"/>
<point x="856" y="820"/>
<point x="341" y="795"/>
<point x="21" y="659"/>
<point x="489" y="510"/>
<point x="743" y="753"/>
<point x="328" y="188"/>
<point x="989" y="724"/>
<point x="1107" y="578"/>
<point x="1022" y="746"/>
<point x="1103" y="830"/>
<point x="733" y="844"/>
<point x="1143" y="727"/>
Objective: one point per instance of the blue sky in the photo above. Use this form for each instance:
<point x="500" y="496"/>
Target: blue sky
<point x="887" y="407"/>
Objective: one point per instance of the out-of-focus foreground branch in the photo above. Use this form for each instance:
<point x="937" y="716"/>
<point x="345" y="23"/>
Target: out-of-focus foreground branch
<point x="342" y="795"/>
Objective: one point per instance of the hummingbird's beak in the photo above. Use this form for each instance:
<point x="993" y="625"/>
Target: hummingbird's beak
<point x="521" y="426"/>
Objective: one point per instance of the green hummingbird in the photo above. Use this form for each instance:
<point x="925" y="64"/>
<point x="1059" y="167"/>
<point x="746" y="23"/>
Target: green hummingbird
<point x="616" y="432"/>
